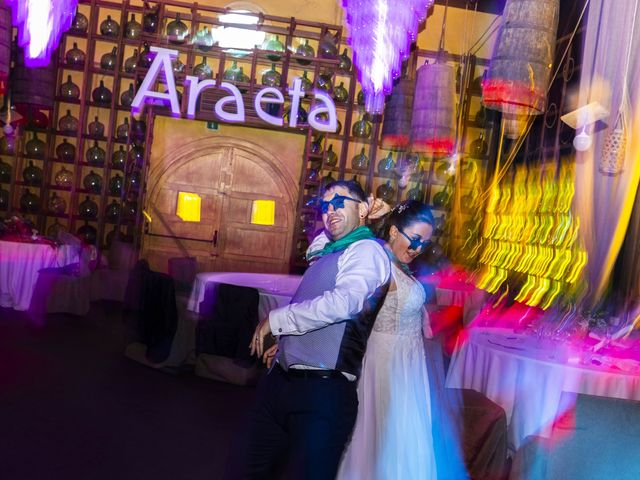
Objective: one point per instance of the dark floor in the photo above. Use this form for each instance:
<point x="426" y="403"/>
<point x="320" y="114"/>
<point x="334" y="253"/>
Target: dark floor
<point x="73" y="407"/>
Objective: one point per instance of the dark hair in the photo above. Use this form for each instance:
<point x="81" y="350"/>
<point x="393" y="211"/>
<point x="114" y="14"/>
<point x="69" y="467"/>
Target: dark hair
<point x="352" y="186"/>
<point x="402" y="215"/>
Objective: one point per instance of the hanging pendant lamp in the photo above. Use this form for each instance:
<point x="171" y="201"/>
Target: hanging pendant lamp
<point x="381" y="34"/>
<point x="520" y="69"/>
<point x="396" y="125"/>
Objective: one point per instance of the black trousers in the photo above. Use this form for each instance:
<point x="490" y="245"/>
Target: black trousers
<point x="299" y="427"/>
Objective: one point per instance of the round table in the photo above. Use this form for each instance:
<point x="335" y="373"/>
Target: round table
<point x="526" y="375"/>
<point x="20" y="263"/>
<point x="275" y="289"/>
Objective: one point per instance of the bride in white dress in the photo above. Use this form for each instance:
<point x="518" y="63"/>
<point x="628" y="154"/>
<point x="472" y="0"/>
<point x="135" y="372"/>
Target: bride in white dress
<point x="392" y="438"/>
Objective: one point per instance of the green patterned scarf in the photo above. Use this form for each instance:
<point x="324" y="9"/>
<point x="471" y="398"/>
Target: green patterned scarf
<point x="360" y="233"/>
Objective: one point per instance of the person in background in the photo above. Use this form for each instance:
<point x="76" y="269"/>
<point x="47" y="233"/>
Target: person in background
<point x="307" y="404"/>
<point x="393" y="437"/>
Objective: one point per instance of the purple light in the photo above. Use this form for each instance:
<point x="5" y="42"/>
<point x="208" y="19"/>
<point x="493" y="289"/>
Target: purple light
<point x="40" y="24"/>
<point x="381" y="33"/>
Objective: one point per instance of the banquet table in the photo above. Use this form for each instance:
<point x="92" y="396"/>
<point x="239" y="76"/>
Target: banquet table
<point x="275" y="290"/>
<point x="526" y="375"/>
<point x="20" y="263"/>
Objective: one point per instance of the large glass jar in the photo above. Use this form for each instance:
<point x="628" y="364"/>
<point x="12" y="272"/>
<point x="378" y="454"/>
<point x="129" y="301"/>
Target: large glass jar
<point x="57" y="204"/>
<point x="131" y="63"/>
<point x="119" y="159"/>
<point x="344" y="64"/>
<point x="204" y="40"/>
<point x="275" y="46"/>
<point x="386" y="192"/>
<point x="328" y="46"/>
<point x="340" y="94"/>
<point x="271" y="77"/>
<point x="69" y="90"/>
<point x="79" y="24"/>
<point x="136" y="156"/>
<point x="146" y="56"/>
<point x="68" y="123"/>
<point x="66" y="152"/>
<point x="32" y="175"/>
<point x="74" y="56"/>
<point x="132" y="29"/>
<point x="386" y="165"/>
<point x="96" y="128"/>
<point x="4" y="199"/>
<point x="109" y="27"/>
<point x="109" y="60"/>
<point x="92" y="182"/>
<point x="95" y="155"/>
<point x="305" y="50"/>
<point x="177" y="31"/>
<point x="54" y="229"/>
<point x="35" y="147"/>
<point x="29" y="202"/>
<point x="362" y="128"/>
<point x="113" y="211"/>
<point x="122" y="132"/>
<point x="331" y="159"/>
<point x="88" y="233"/>
<point x="101" y="94"/>
<point x="88" y="208"/>
<point x="5" y="171"/>
<point x="115" y="185"/>
<point x="150" y="20"/>
<point x="126" y="99"/>
<point x="202" y="70"/>
<point x="360" y="161"/>
<point x="64" y="178"/>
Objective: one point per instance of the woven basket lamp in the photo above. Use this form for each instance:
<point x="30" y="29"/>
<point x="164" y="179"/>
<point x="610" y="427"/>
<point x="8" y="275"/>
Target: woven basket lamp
<point x="433" y="121"/>
<point x="396" y="124"/>
<point x="520" y="69"/>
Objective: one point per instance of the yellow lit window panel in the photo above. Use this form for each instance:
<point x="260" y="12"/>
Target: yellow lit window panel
<point x="188" y="208"/>
<point x="263" y="212"/>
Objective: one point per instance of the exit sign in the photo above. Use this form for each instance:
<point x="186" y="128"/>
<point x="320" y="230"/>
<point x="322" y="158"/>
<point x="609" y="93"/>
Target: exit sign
<point x="213" y="126"/>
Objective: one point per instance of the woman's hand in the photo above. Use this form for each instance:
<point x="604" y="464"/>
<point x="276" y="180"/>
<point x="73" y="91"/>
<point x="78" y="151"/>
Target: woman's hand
<point x="377" y="208"/>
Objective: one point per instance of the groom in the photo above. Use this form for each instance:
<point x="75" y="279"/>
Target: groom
<point x="307" y="403"/>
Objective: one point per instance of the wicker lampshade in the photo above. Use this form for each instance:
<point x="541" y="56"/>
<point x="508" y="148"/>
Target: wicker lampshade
<point x="33" y="86"/>
<point x="396" y="124"/>
<point x="433" y="122"/>
<point x="520" y="68"/>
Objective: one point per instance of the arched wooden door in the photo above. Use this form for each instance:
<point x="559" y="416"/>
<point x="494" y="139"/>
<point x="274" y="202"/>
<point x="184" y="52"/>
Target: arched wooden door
<point x="229" y="175"/>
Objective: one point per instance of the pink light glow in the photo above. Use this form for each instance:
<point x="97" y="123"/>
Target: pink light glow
<point x="40" y="24"/>
<point x="381" y="33"/>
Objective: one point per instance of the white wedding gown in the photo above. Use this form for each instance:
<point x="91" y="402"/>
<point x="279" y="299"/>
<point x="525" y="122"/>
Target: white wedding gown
<point x="392" y="436"/>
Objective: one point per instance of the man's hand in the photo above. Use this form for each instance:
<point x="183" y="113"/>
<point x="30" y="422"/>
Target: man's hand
<point x="257" y="341"/>
<point x="269" y="355"/>
<point x="377" y="208"/>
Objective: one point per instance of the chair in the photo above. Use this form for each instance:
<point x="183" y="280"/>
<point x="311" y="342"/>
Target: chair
<point x="110" y="283"/>
<point x="228" y="318"/>
<point x="183" y="270"/>
<point x="151" y="311"/>
<point x="598" y="438"/>
<point x="481" y="426"/>
<point x="65" y="289"/>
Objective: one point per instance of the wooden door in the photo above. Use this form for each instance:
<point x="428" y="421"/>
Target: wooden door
<point x="228" y="178"/>
<point x="245" y="247"/>
<point x="168" y="235"/>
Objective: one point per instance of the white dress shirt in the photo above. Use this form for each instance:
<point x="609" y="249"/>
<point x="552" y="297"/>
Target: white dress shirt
<point x="362" y="268"/>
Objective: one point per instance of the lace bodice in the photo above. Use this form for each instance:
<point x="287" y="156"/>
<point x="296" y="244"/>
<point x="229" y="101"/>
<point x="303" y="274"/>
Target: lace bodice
<point x="402" y="310"/>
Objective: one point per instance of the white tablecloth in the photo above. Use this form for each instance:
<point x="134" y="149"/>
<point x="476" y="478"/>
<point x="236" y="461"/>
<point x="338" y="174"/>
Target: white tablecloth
<point x="19" y="266"/>
<point x="526" y="376"/>
<point x="276" y="290"/>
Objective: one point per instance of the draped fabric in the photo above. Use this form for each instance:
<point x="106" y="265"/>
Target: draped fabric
<point x="604" y="203"/>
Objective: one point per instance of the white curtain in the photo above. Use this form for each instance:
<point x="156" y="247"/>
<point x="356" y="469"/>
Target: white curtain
<point x="604" y="203"/>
